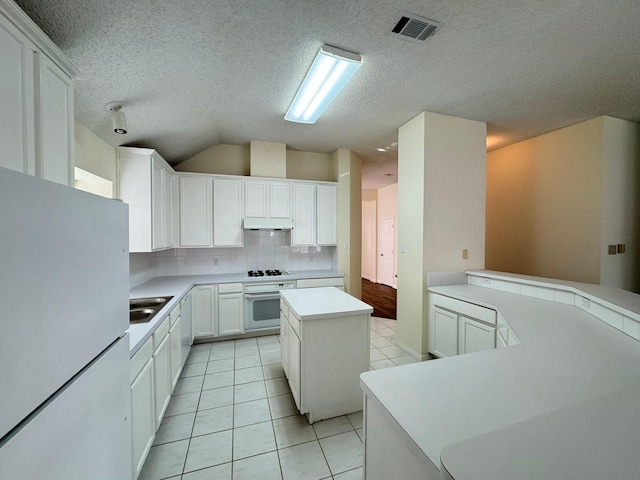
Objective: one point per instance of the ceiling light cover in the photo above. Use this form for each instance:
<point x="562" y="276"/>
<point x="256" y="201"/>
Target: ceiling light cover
<point x="329" y="73"/>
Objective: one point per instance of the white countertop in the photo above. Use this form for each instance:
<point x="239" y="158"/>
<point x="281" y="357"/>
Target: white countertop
<point x="178" y="286"/>
<point x="567" y="357"/>
<point x="323" y="302"/>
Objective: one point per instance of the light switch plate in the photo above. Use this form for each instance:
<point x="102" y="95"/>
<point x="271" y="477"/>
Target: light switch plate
<point x="613" y="249"/>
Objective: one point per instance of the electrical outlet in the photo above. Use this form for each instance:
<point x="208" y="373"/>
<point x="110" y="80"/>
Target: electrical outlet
<point x="214" y="261"/>
<point x="585" y="302"/>
<point x="465" y="254"/>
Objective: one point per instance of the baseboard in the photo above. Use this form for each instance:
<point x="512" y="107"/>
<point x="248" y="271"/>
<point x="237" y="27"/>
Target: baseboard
<point x="411" y="352"/>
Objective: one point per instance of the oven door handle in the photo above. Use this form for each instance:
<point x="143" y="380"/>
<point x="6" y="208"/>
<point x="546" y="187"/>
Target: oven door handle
<point x="262" y="295"/>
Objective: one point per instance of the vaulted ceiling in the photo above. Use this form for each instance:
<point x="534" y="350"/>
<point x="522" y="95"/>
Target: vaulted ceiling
<point x="196" y="73"/>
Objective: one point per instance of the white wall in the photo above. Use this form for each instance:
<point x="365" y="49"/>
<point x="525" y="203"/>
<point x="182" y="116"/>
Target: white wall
<point x="94" y="155"/>
<point x="263" y="250"/>
<point x="441" y="210"/>
<point x="369" y="240"/>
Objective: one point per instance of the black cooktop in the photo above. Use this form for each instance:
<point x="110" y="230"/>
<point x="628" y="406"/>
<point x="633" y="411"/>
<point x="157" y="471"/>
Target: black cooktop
<point x="268" y="273"/>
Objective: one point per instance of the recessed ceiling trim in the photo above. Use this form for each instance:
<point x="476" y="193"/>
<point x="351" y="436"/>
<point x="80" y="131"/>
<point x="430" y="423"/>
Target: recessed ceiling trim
<point x="413" y="28"/>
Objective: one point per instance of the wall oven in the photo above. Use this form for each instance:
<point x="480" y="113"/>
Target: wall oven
<point x="262" y="304"/>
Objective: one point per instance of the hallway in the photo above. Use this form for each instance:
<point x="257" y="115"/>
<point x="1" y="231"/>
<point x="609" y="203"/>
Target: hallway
<point x="382" y="298"/>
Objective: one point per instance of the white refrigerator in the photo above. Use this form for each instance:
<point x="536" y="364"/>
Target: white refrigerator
<point x="64" y="351"/>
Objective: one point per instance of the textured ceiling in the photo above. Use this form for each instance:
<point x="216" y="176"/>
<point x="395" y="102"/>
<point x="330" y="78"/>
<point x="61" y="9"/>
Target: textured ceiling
<point x="192" y="74"/>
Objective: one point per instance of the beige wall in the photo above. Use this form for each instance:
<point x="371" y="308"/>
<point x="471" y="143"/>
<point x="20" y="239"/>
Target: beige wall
<point x="544" y="204"/>
<point x="441" y="210"/>
<point x="348" y="170"/>
<point x="221" y="159"/>
<point x="621" y="204"/>
<point x="235" y="160"/>
<point x="94" y="155"/>
<point x="310" y="166"/>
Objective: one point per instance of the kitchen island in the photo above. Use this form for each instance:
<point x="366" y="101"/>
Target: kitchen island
<point x="324" y="336"/>
<point x="562" y="404"/>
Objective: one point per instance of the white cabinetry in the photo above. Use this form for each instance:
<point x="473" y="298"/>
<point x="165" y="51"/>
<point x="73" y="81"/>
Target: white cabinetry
<point x="145" y="182"/>
<point x="161" y="370"/>
<point x="337" y="282"/>
<point x="457" y="327"/>
<point x="230" y="309"/>
<point x="195" y="211"/>
<point x="324" y="374"/>
<point x="203" y="304"/>
<point x="304" y="214"/>
<point x="36" y="95"/>
<point x="175" y="345"/>
<point x="227" y="212"/>
<point x="142" y="405"/>
<point x="327" y="214"/>
<point x="267" y="199"/>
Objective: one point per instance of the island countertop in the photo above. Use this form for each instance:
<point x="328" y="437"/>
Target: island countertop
<point x="324" y="302"/>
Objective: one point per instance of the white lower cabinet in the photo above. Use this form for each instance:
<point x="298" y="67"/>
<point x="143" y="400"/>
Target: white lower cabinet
<point x="143" y="419"/>
<point x="323" y="372"/>
<point x="161" y="370"/>
<point x="474" y="336"/>
<point x="457" y="327"/>
<point x="203" y="299"/>
<point x="444" y="332"/>
<point x="230" y="309"/>
<point x="175" y="348"/>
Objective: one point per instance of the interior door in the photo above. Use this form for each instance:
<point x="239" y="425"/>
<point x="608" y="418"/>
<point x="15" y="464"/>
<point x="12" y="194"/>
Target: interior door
<point x="386" y="258"/>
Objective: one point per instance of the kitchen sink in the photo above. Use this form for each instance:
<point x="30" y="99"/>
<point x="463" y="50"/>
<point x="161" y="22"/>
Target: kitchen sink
<point x="142" y="310"/>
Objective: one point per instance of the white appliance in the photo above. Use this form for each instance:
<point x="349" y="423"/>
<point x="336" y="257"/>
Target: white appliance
<point x="64" y="352"/>
<point x="262" y="304"/>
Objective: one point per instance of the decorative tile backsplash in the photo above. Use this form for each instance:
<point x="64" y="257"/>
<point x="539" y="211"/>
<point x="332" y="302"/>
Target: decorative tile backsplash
<point x="262" y="250"/>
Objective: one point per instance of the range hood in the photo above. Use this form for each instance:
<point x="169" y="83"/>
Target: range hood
<point x="267" y="224"/>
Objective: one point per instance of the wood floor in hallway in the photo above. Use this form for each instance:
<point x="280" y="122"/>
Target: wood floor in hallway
<point x="382" y="298"/>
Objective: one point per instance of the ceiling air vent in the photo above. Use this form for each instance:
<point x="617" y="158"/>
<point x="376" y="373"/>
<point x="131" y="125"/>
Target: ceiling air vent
<point x="414" y="28"/>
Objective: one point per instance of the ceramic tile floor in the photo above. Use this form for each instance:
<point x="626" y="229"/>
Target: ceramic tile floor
<point x="232" y="416"/>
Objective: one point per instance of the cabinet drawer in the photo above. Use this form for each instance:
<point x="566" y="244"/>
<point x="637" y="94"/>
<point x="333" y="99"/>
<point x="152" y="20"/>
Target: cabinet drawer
<point x="471" y="310"/>
<point x="141" y="357"/>
<point x="321" y="282"/>
<point x="160" y="333"/>
<point x="295" y="324"/>
<point x="174" y="315"/>
<point x="230" y="288"/>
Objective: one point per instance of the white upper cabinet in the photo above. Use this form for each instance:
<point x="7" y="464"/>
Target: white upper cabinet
<point x="327" y="212"/>
<point x="267" y="199"/>
<point x="36" y="98"/>
<point x="227" y="212"/>
<point x="196" y="226"/>
<point x="304" y="214"/>
<point x="145" y="182"/>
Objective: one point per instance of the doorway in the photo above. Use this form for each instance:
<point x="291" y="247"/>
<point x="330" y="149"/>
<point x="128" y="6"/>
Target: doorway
<point x="386" y="254"/>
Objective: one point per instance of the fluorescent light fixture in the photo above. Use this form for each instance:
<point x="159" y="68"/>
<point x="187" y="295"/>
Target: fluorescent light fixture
<point x="330" y="71"/>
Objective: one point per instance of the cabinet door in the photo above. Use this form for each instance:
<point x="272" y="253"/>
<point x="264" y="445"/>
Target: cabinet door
<point x="162" y="378"/>
<point x="327" y="202"/>
<point x="157" y="205"/>
<point x="142" y="416"/>
<point x="195" y="212"/>
<point x="202" y="298"/>
<point x="284" y="342"/>
<point x="230" y="314"/>
<point x="227" y="213"/>
<point x="167" y="209"/>
<point x="475" y="336"/>
<point x="304" y="219"/>
<point x="279" y="200"/>
<point x="175" y="345"/>
<point x="17" y="100"/>
<point x="294" y="365"/>
<point x="55" y="142"/>
<point x="445" y="332"/>
<point x="255" y="198"/>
